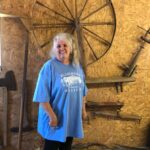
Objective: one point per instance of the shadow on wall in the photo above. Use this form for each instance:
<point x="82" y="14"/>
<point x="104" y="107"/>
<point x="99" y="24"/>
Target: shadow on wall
<point x="148" y="136"/>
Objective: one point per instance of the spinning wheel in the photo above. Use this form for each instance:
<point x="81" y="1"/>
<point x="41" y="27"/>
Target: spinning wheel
<point x="92" y="22"/>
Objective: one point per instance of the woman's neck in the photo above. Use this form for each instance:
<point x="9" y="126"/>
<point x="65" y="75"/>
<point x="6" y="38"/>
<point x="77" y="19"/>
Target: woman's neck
<point x="64" y="61"/>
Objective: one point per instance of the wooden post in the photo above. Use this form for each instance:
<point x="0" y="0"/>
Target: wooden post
<point x="80" y="42"/>
<point x="23" y="91"/>
<point x="5" y="116"/>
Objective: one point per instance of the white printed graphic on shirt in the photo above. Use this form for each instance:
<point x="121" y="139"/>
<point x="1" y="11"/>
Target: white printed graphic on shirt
<point x="72" y="82"/>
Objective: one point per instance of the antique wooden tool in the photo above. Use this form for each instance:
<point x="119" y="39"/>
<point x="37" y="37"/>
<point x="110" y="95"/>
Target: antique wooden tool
<point x="131" y="67"/>
<point x="7" y="83"/>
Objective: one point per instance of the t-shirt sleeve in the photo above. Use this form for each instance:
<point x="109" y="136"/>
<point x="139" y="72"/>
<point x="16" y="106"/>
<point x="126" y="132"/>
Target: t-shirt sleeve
<point x="85" y="89"/>
<point x="43" y="85"/>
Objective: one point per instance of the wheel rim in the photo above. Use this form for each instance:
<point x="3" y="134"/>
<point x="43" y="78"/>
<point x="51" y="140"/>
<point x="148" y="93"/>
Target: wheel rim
<point x="93" y="22"/>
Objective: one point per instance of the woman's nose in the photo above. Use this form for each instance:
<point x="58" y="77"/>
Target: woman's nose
<point x="62" y="47"/>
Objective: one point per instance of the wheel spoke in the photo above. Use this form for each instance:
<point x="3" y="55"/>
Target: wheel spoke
<point x="90" y="47"/>
<point x="53" y="10"/>
<point x="35" y="38"/>
<point x="69" y="30"/>
<point x="102" y="40"/>
<point x="73" y="29"/>
<point x="68" y="9"/>
<point x="60" y="25"/>
<point x="83" y="8"/>
<point x="44" y="44"/>
<point x="49" y="16"/>
<point x="40" y="46"/>
<point x="52" y="24"/>
<point x="96" y="23"/>
<point x="108" y="3"/>
<point x="76" y="9"/>
<point x="55" y="17"/>
<point x="40" y="27"/>
<point x="80" y="44"/>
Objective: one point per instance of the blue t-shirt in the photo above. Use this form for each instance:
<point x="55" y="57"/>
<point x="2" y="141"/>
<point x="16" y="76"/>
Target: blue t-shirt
<point x="63" y="87"/>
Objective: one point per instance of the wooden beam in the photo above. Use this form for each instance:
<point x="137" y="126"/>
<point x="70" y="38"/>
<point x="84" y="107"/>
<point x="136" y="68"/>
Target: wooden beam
<point x="114" y="79"/>
<point x="117" y="116"/>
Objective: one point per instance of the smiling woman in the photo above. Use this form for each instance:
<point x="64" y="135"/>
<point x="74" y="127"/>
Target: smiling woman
<point x="64" y="49"/>
<point x="60" y="90"/>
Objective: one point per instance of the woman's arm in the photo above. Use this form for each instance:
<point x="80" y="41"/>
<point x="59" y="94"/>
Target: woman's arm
<point x="84" y="113"/>
<point x="53" y="118"/>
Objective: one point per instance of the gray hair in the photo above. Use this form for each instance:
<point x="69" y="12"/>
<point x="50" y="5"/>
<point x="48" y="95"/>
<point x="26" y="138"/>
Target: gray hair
<point x="69" y="39"/>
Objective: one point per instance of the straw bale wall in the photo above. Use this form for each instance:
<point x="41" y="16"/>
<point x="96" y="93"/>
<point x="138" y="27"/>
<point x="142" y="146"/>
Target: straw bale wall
<point x="135" y="95"/>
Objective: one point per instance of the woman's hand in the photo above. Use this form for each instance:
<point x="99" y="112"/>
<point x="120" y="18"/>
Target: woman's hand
<point x="53" y="121"/>
<point x="48" y="109"/>
<point x="84" y="115"/>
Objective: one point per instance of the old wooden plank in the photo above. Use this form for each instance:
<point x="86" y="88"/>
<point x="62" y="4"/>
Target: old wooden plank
<point x="114" y="79"/>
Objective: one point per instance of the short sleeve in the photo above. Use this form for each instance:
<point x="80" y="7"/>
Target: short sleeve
<point x="85" y="89"/>
<point x="43" y="85"/>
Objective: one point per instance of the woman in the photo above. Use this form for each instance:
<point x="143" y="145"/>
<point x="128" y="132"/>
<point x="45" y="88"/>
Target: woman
<point x="60" y="91"/>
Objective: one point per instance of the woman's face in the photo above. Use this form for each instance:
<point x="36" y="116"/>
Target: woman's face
<point x="63" y="51"/>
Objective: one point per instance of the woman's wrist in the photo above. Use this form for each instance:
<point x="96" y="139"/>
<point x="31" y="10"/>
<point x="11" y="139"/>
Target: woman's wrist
<point x="53" y="116"/>
<point x="84" y="101"/>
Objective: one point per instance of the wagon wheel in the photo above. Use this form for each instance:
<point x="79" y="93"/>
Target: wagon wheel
<point x="92" y="22"/>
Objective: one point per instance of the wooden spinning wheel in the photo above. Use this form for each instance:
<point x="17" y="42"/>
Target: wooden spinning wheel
<point x="92" y="22"/>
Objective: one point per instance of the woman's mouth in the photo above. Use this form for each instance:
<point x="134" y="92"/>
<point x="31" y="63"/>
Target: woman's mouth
<point x="62" y="52"/>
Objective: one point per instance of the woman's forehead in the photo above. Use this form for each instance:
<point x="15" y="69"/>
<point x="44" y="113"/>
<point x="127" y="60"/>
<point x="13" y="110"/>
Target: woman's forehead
<point x="61" y="41"/>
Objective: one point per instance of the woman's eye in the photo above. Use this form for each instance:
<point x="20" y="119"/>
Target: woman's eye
<point x="65" y="45"/>
<point x="58" y="46"/>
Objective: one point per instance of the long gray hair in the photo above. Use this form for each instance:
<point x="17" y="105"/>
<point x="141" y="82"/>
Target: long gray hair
<point x="69" y="39"/>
